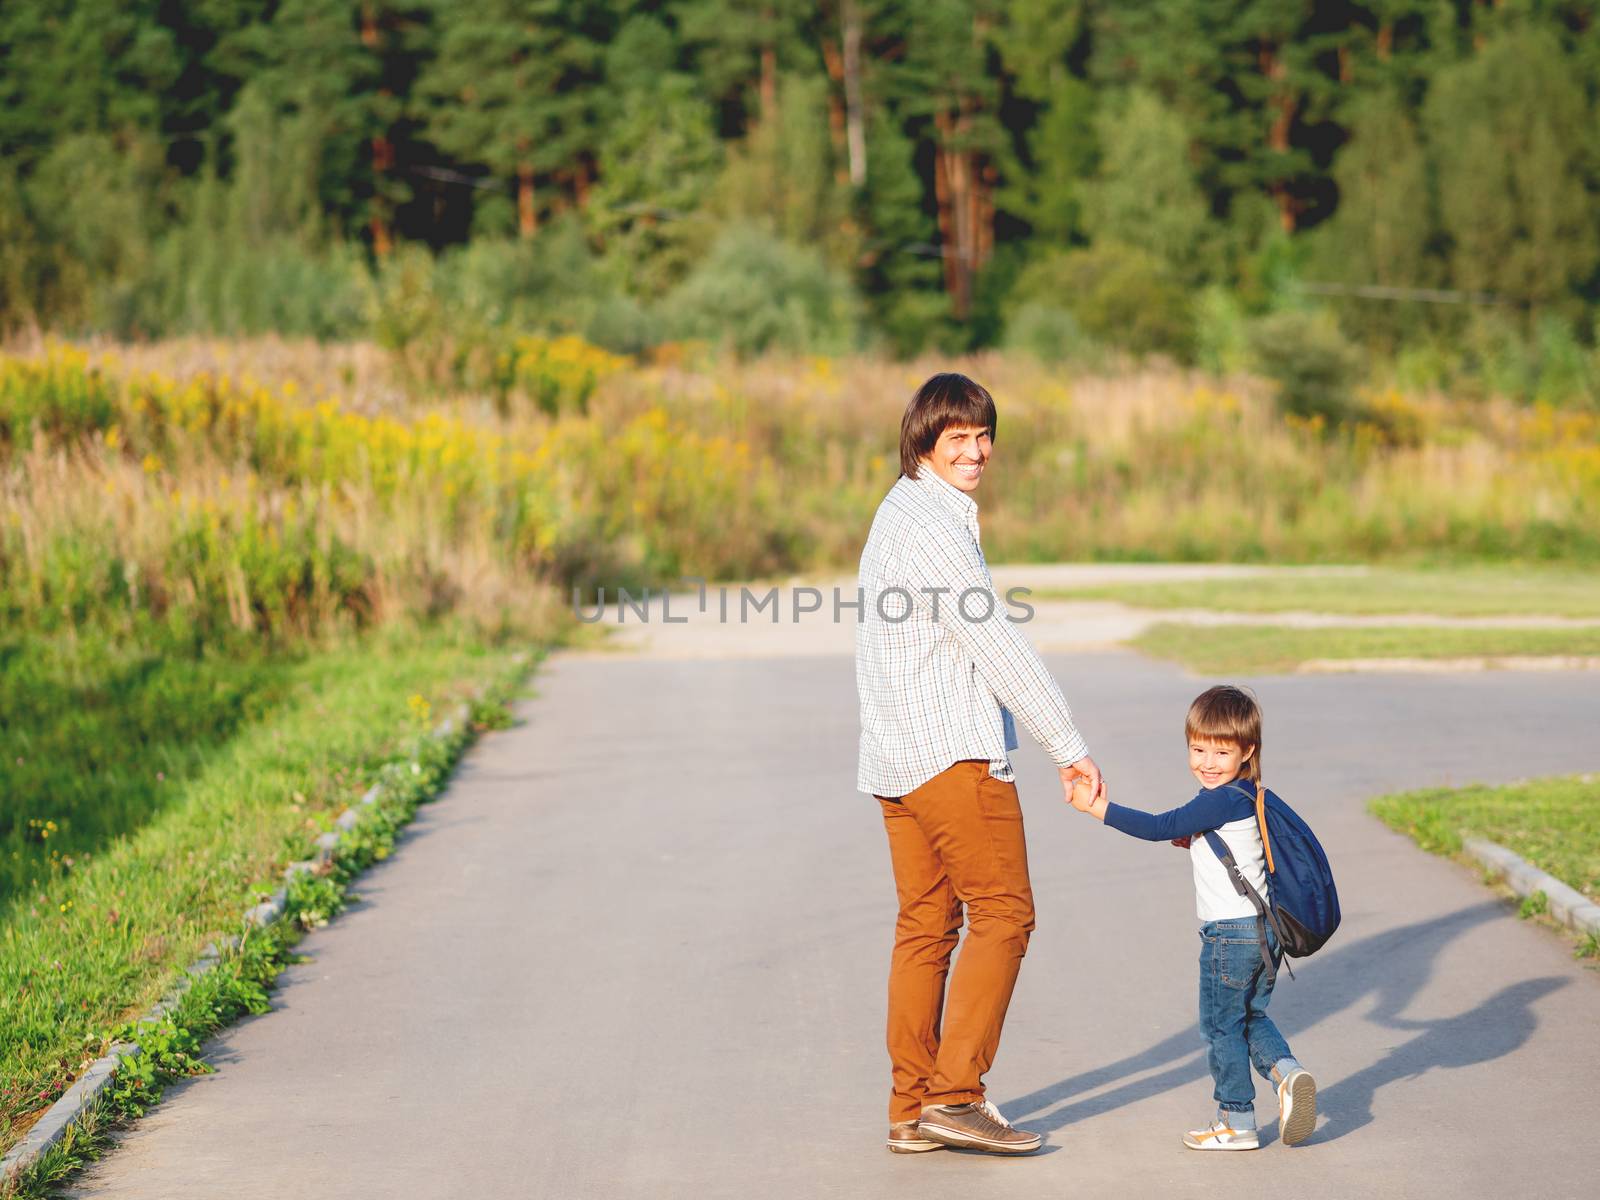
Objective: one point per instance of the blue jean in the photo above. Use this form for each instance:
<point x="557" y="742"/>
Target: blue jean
<point x="1234" y="991"/>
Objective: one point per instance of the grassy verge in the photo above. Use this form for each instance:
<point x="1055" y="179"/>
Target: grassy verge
<point x="1477" y="591"/>
<point x="91" y="938"/>
<point x="239" y="981"/>
<point x="1269" y="649"/>
<point x="1553" y="823"/>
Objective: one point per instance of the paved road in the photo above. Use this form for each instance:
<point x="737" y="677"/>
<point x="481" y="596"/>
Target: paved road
<point x="638" y="950"/>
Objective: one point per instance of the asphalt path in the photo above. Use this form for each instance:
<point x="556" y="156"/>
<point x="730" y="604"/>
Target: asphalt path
<point x="638" y="949"/>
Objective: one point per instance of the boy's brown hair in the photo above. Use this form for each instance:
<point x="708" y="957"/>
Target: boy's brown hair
<point x="1227" y="713"/>
<point x="945" y="400"/>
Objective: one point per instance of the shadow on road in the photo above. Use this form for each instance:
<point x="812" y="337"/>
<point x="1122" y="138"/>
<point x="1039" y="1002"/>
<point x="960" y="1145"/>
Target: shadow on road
<point x="1392" y="967"/>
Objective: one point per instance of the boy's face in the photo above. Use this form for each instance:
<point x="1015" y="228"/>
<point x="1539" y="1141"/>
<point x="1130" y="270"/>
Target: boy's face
<point x="1215" y="763"/>
<point x="960" y="455"/>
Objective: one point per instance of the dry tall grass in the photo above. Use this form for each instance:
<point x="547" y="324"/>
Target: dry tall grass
<point x="140" y="481"/>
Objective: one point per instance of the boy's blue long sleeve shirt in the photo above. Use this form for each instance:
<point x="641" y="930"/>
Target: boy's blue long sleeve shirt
<point x="1231" y="811"/>
<point x="1210" y="809"/>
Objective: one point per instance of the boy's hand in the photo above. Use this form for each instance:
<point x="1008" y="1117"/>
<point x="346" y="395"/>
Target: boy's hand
<point x="1084" y="768"/>
<point x="1086" y="798"/>
<point x="1182" y="843"/>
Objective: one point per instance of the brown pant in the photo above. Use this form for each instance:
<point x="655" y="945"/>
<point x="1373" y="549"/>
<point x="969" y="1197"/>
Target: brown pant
<point x="957" y="840"/>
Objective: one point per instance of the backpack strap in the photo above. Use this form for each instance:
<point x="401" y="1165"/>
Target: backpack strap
<point x="1261" y="820"/>
<point x="1264" y="914"/>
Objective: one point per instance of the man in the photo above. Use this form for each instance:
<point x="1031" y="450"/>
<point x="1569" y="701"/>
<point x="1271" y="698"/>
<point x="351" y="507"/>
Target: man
<point x="940" y="669"/>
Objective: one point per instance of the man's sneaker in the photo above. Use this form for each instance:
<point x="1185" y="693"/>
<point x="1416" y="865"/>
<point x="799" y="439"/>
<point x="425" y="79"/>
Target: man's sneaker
<point x="1297" y="1107"/>
<point x="1219" y="1136"/>
<point x="976" y="1127"/>
<point x="905" y="1138"/>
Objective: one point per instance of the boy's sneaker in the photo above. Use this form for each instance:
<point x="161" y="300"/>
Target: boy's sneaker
<point x="1220" y="1136"/>
<point x="1297" y="1107"/>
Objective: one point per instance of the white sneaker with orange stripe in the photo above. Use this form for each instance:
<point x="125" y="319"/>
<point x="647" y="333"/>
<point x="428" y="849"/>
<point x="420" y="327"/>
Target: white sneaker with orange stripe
<point x="1221" y="1136"/>
<point x="1297" y="1106"/>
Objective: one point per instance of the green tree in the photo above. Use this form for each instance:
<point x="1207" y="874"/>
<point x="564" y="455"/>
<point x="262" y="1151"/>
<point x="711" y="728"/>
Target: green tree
<point x="1384" y="229"/>
<point x="84" y="66"/>
<point x="1043" y="43"/>
<point x="321" y="75"/>
<point x="94" y="201"/>
<point x="737" y="45"/>
<point x="1511" y="136"/>
<point x="1144" y="193"/>
<point x="659" y="159"/>
<point x="20" y="283"/>
<point x="512" y="89"/>
<point x="1251" y="78"/>
<point x="944" y="84"/>
<point x="785" y="175"/>
<point x="899" y="266"/>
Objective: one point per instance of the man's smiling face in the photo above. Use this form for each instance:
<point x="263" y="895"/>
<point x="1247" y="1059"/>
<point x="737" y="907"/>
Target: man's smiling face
<point x="960" y="455"/>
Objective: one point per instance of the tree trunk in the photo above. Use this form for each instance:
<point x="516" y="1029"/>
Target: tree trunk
<point x="836" y="120"/>
<point x="941" y="194"/>
<point x="382" y="161"/>
<point x="382" y="148"/>
<point x="1385" y="40"/>
<point x="964" y="211"/>
<point x="581" y="181"/>
<point x="855" y="118"/>
<point x="769" y="79"/>
<point x="985" y="213"/>
<point x="527" y="214"/>
<point x="1283" y="105"/>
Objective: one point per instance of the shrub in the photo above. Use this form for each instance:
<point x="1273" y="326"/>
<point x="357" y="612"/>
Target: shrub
<point x="755" y="292"/>
<point x="1119" y="295"/>
<point x="1222" y="342"/>
<point x="1048" y="333"/>
<point x="1312" y="363"/>
<point x="623" y="325"/>
<point x="561" y="373"/>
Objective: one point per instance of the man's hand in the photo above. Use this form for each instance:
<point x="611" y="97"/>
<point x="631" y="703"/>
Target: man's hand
<point x="1084" y="768"/>
<point x="1181" y="843"/>
<point x="1084" y="798"/>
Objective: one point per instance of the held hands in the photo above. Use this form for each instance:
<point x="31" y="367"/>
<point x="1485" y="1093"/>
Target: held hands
<point x="1087" y="799"/>
<point x="1083" y="771"/>
<point x="1085" y="787"/>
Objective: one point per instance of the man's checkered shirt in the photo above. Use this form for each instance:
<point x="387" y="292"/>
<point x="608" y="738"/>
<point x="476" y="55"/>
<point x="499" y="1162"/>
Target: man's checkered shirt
<point x="938" y="687"/>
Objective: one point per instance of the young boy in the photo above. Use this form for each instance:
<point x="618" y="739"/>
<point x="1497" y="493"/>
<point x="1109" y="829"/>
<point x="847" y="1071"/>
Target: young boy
<point x="1224" y="734"/>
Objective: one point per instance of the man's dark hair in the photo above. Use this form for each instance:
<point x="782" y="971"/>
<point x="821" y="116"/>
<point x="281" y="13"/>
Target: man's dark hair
<point x="945" y="400"/>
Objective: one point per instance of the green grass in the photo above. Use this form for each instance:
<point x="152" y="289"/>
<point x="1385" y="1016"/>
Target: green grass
<point x="1477" y="591"/>
<point x="246" y="969"/>
<point x="1554" y="823"/>
<point x="99" y="935"/>
<point x="100" y="736"/>
<point x="1268" y="649"/>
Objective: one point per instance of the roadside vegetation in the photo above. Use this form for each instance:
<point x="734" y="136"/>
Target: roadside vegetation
<point x="100" y="976"/>
<point x="1274" y="649"/>
<point x="1481" y="590"/>
<point x="1553" y="823"/>
<point x="95" y="929"/>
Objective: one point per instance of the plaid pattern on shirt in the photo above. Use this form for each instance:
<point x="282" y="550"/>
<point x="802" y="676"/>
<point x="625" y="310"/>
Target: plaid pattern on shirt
<point x="941" y="685"/>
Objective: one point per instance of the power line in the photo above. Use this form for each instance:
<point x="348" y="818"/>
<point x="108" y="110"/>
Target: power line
<point x="1378" y="291"/>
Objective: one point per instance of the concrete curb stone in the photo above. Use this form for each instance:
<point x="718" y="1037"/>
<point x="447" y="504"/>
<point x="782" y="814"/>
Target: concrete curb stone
<point x="1566" y="904"/>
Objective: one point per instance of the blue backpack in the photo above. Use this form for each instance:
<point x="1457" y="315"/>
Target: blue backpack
<point x="1302" y="904"/>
